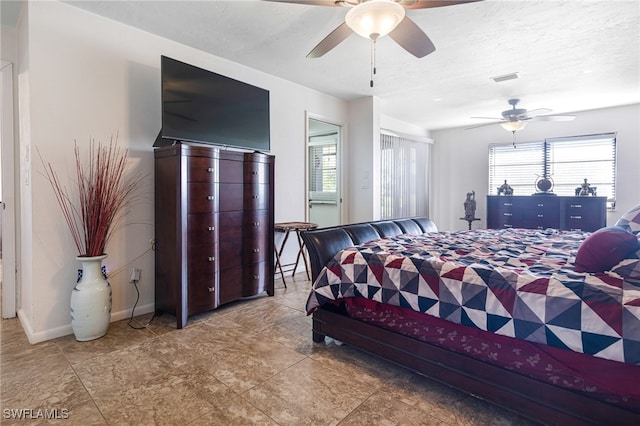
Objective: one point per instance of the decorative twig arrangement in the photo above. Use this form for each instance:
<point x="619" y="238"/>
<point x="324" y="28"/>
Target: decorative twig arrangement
<point x="102" y="195"/>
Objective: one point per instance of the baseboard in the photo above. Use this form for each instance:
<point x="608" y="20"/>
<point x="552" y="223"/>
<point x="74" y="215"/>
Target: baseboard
<point x="65" y="330"/>
<point x="126" y="314"/>
<point x="41" y="336"/>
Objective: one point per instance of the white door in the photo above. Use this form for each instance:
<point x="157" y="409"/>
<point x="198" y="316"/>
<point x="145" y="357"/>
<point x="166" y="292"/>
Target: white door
<point x="7" y="199"/>
<point x="324" y="198"/>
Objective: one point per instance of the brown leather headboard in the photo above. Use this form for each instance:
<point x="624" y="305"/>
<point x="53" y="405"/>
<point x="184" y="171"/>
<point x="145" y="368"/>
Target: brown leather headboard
<point x="324" y="243"/>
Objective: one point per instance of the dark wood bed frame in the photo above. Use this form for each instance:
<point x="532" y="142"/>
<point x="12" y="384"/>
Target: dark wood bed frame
<point x="531" y="398"/>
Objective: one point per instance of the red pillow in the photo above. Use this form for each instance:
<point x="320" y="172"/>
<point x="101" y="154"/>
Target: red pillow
<point x="603" y="249"/>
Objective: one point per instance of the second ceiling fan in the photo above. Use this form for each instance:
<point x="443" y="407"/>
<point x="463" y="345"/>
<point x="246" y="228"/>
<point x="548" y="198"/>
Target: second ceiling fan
<point x="374" y="19"/>
<point x="515" y="119"/>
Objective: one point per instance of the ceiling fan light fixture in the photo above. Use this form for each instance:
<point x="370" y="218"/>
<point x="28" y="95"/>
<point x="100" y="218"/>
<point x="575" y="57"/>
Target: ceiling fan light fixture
<point x="375" y="18"/>
<point x="513" y="126"/>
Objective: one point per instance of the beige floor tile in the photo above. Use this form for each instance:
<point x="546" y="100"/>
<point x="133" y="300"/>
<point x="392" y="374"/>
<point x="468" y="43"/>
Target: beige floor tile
<point x="251" y="362"/>
<point x="312" y="393"/>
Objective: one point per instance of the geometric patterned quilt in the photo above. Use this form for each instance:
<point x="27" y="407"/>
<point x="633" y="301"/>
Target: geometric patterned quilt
<point x="515" y="282"/>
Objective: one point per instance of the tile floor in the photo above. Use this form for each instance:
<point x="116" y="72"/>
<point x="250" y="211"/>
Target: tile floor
<point x="252" y="362"/>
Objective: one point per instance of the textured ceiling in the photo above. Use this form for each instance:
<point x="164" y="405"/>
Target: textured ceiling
<point x="570" y="55"/>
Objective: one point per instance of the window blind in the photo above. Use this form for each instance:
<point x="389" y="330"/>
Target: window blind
<point x="567" y="161"/>
<point x="323" y="168"/>
<point x="571" y="160"/>
<point x="404" y="177"/>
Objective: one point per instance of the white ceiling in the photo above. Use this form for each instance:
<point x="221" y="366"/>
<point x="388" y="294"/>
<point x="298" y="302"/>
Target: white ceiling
<point x="571" y="55"/>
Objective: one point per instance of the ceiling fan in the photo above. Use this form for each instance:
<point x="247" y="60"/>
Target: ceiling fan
<point x="373" y="19"/>
<point x="516" y="119"/>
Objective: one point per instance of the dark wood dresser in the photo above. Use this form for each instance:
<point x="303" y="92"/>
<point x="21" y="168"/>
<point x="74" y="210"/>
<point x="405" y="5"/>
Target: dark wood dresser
<point x="546" y="211"/>
<point x="214" y="222"/>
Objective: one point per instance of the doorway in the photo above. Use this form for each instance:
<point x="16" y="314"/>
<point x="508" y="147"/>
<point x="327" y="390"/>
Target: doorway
<point x="7" y="196"/>
<point x="324" y="198"/>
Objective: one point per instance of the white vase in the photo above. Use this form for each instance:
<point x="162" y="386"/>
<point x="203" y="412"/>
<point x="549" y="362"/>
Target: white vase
<point x="91" y="301"/>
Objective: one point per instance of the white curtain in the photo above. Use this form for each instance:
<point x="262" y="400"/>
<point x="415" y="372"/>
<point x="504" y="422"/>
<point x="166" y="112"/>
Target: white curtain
<point x="404" y="175"/>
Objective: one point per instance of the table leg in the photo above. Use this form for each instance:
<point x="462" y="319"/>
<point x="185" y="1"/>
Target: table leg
<point x="304" y="256"/>
<point x="279" y="254"/>
<point x="279" y="266"/>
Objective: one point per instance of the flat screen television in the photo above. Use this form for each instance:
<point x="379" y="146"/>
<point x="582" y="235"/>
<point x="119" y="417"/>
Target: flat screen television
<point x="205" y="107"/>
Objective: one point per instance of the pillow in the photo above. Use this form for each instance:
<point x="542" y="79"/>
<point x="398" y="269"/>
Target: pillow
<point x="630" y="220"/>
<point x="628" y="268"/>
<point x="603" y="249"/>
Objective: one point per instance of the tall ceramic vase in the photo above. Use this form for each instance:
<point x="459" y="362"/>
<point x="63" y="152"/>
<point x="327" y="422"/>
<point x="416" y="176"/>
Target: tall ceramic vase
<point x="91" y="301"/>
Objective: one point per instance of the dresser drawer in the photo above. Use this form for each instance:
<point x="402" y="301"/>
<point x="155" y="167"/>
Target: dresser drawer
<point x="231" y="197"/>
<point x="255" y="279"/>
<point x="202" y="197"/>
<point x="230" y="287"/>
<point x="254" y="221"/>
<point x="201" y="294"/>
<point x="585" y="221"/>
<point x="201" y="229"/>
<point x="256" y="197"/>
<point x="201" y="262"/>
<point x="202" y="169"/>
<point x="231" y="171"/>
<point x="256" y="172"/>
<point x="255" y="249"/>
<point x="231" y="225"/>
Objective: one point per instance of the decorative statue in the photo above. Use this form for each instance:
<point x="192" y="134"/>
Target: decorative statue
<point x="586" y="189"/>
<point x="505" y="189"/>
<point x="470" y="206"/>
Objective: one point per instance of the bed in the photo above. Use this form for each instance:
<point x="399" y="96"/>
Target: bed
<point x="545" y="323"/>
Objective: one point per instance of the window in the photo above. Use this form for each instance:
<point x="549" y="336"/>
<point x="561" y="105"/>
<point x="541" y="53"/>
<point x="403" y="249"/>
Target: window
<point x="403" y="175"/>
<point x="566" y="161"/>
<point x="323" y="170"/>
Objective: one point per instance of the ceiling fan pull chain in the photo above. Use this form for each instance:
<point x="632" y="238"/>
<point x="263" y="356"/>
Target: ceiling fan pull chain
<point x="373" y="58"/>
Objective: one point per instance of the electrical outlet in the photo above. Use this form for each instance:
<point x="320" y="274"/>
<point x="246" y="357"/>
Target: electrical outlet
<point x="135" y="275"/>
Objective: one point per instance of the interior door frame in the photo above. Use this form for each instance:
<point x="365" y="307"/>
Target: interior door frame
<point x="339" y="162"/>
<point x="8" y="205"/>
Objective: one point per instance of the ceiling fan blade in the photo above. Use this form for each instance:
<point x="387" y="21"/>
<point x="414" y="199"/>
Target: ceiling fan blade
<point x="553" y="118"/>
<point x="412" y="39"/>
<point x="334" y="38"/>
<point x="309" y="2"/>
<point x="488" y="118"/>
<point x="427" y="4"/>
<point x="536" y="112"/>
<point x="482" y="125"/>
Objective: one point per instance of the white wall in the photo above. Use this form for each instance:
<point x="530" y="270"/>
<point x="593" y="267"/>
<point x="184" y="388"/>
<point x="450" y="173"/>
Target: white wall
<point x="460" y="160"/>
<point x="87" y="76"/>
<point x="363" y="159"/>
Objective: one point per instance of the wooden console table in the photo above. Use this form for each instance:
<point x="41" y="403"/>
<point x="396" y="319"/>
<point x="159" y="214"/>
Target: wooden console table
<point x="287" y="227"/>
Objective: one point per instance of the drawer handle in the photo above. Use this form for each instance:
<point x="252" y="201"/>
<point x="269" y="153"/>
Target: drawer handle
<point x="576" y="206"/>
<point x="254" y="172"/>
<point x="211" y="289"/>
<point x="507" y="204"/>
<point x="210" y="170"/>
<point x="256" y="250"/>
<point x="540" y="215"/>
<point x="210" y="197"/>
<point x="506" y="225"/>
<point x="211" y="228"/>
<point x="540" y="205"/>
<point x="256" y="223"/>
<point x="256" y="277"/>
<point x="575" y="217"/>
<point x="507" y="214"/>
<point x="211" y="258"/>
<point x="255" y="197"/>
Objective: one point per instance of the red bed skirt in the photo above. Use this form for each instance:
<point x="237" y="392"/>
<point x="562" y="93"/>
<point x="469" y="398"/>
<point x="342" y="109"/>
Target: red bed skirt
<point x="606" y="380"/>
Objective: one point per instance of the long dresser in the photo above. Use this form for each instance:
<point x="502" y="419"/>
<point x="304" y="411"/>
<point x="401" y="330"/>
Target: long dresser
<point x="214" y="219"/>
<point x="546" y="211"/>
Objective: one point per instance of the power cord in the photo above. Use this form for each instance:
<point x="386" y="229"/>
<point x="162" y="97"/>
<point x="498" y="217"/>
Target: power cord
<point x="135" y="284"/>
